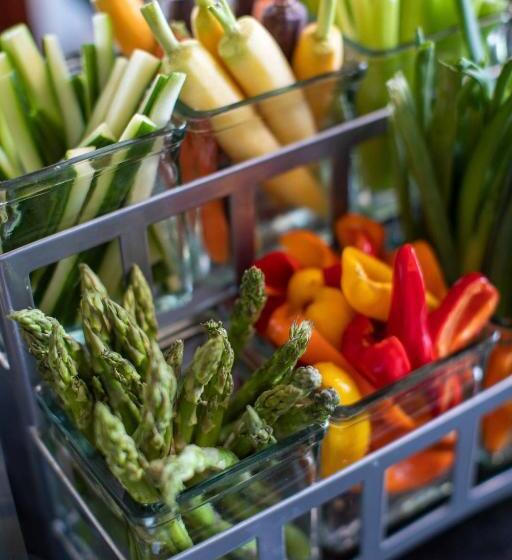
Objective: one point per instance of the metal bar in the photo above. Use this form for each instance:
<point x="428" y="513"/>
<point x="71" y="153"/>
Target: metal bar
<point x="134" y="249"/>
<point x="340" y="184"/>
<point x="373" y="512"/>
<point x="194" y="194"/>
<point x="84" y="508"/>
<point x="271" y="543"/>
<point x="466" y="461"/>
<point x="243" y="229"/>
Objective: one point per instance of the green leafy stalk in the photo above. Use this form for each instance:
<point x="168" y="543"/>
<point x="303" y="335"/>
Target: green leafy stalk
<point x="247" y="309"/>
<point x="71" y="389"/>
<point x="217" y="393"/>
<point x="316" y="409"/>
<point x="121" y="454"/>
<point x="172" y="474"/>
<point x="469" y="23"/>
<point x="424" y="82"/>
<point x="249" y="434"/>
<point x="130" y="340"/>
<point x="154" y="434"/>
<point x="422" y="171"/>
<point x="280" y="364"/>
<point x="203" y="367"/>
<point x="138" y="300"/>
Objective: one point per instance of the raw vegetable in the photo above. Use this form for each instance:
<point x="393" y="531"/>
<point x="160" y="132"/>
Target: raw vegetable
<point x="241" y="133"/>
<point x="207" y="30"/>
<point x="285" y="20"/>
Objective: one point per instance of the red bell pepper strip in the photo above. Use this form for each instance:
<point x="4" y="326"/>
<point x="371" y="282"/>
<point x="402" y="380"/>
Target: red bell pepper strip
<point x="358" y="231"/>
<point x="278" y="267"/>
<point x="463" y="313"/>
<point x="332" y="275"/>
<point x="408" y="314"/>
<point x="381" y="362"/>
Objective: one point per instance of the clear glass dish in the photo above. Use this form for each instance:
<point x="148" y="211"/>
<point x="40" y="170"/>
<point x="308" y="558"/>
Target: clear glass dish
<point x="373" y="174"/>
<point x="147" y="531"/>
<point x="418" y="483"/>
<point x="71" y="192"/>
<point x="496" y="426"/>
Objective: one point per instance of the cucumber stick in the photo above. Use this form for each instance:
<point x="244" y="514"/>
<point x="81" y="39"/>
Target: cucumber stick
<point x="7" y="171"/>
<point x="90" y="77"/>
<point x="15" y="117"/>
<point x="141" y="68"/>
<point x="104" y="43"/>
<point x="108" y="193"/>
<point x="63" y="87"/>
<point x="162" y="105"/>
<point x="100" y="137"/>
<point x="20" y="46"/>
<point x="7" y="143"/>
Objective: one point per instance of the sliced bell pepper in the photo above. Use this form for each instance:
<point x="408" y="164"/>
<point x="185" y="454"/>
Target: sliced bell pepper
<point x="366" y="282"/>
<point x="381" y="362"/>
<point x="408" y="315"/>
<point x="330" y="313"/>
<point x="432" y="272"/>
<point x="332" y="275"/>
<point x="308" y="249"/>
<point x="355" y="230"/>
<point x="272" y="303"/>
<point x="278" y="267"/>
<point x="303" y="287"/>
<point x="463" y="313"/>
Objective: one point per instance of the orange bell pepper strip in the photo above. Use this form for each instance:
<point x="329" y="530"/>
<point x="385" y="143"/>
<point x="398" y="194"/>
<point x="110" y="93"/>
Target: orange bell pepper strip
<point x="308" y="248"/>
<point x="432" y="272"/>
<point x="366" y="282"/>
<point x="330" y="313"/>
<point x="419" y="470"/>
<point x="356" y="230"/>
<point x="304" y="286"/>
<point x="497" y="425"/>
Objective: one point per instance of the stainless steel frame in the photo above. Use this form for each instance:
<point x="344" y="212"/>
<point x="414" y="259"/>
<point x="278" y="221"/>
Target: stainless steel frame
<point x="129" y="226"/>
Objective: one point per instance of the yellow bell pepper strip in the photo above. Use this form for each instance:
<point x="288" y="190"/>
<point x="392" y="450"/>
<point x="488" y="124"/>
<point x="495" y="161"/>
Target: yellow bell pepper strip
<point x="330" y="313"/>
<point x="408" y="315"/>
<point x="382" y="362"/>
<point x="497" y="425"/>
<point x="356" y="230"/>
<point x="345" y="442"/>
<point x="308" y="248"/>
<point x="304" y="286"/>
<point x="432" y="272"/>
<point x="366" y="282"/>
<point x="463" y="313"/>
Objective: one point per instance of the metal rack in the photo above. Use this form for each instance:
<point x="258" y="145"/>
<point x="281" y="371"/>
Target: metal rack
<point x="28" y="456"/>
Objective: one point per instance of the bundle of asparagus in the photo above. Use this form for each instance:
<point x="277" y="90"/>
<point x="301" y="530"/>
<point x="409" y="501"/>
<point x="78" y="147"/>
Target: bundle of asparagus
<point x="157" y="429"/>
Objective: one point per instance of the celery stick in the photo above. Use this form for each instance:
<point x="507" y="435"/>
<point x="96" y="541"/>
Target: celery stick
<point x="344" y="19"/>
<point x="19" y="45"/>
<point x="66" y="96"/>
<point x="107" y="95"/>
<point x="100" y="137"/>
<point x="140" y="71"/>
<point x="413" y="16"/>
<point x="104" y="43"/>
<point x="377" y="23"/>
<point x="439" y="15"/>
<point x="90" y="76"/>
<point x="422" y="171"/>
<point x="16" y="119"/>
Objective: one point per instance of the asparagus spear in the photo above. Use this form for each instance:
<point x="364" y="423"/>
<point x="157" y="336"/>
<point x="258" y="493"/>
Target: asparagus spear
<point x="138" y="300"/>
<point x="89" y="281"/>
<point x="36" y="328"/>
<point x="154" y="434"/>
<point x="130" y="340"/>
<point x="172" y="473"/>
<point x="249" y="434"/>
<point x="174" y="356"/>
<point x="72" y="390"/>
<point x="315" y="409"/>
<point x="217" y="393"/>
<point x="275" y="402"/>
<point x="121" y="454"/>
<point x="247" y="308"/>
<point x="124" y="372"/>
<point x="203" y="367"/>
<point x="273" y="370"/>
<point x="93" y="310"/>
<point x="119" y="398"/>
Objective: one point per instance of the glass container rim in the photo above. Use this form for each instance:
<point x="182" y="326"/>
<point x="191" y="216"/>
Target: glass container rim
<point x="482" y="343"/>
<point x="504" y="17"/>
<point x="351" y="72"/>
